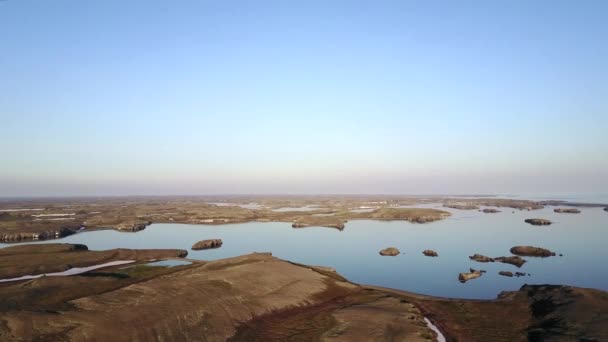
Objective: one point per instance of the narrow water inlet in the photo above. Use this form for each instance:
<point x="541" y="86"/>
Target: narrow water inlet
<point x="440" y="337"/>
<point x="71" y="271"/>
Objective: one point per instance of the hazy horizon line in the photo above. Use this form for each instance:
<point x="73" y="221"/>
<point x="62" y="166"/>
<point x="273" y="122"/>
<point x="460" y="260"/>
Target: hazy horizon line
<point x="311" y="194"/>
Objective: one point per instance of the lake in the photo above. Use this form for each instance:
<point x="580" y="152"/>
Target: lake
<point x="353" y="252"/>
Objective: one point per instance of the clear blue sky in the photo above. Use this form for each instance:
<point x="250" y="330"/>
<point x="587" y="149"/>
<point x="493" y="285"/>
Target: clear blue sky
<point x="197" y="97"/>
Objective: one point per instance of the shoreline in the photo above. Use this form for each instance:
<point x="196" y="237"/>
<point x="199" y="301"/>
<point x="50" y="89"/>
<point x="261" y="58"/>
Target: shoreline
<point x="312" y="300"/>
<point x="21" y="221"/>
<point x="296" y="218"/>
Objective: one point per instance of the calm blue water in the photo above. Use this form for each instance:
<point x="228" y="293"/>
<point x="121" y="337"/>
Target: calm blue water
<point x="582" y="238"/>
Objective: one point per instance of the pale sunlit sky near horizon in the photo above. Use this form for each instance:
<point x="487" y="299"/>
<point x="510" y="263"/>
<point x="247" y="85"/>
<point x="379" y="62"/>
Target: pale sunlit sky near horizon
<point x="148" y="97"/>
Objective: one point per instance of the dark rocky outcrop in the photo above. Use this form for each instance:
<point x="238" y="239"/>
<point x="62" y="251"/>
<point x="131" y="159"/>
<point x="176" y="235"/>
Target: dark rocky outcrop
<point x="538" y="222"/>
<point x="564" y="313"/>
<point x="207" y="244"/>
<point x="506" y="273"/>
<point x="390" y="251"/>
<point x="531" y="251"/>
<point x="567" y="210"/>
<point x="535" y="313"/>
<point x="466" y="276"/>
<point x="481" y="258"/>
<point x="132" y="227"/>
<point x="513" y="260"/>
<point x="140" y="226"/>
<point x="41" y="235"/>
<point x="430" y="253"/>
<point x="521" y="274"/>
<point x="490" y="211"/>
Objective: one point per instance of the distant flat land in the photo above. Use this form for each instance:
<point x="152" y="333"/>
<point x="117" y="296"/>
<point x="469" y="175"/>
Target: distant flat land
<point x="41" y="219"/>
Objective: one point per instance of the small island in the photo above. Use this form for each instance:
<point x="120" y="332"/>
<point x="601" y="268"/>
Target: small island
<point x="461" y="206"/>
<point x="430" y="253"/>
<point x="415" y="215"/>
<point x="567" y="210"/>
<point x="466" y="276"/>
<point x="513" y="260"/>
<point x="318" y="221"/>
<point x="390" y="251"/>
<point x="531" y="251"/>
<point x="481" y="258"/>
<point x="207" y="244"/>
<point x="538" y="222"/>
